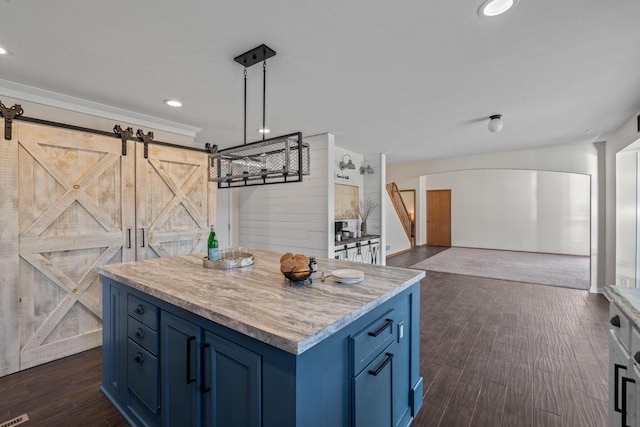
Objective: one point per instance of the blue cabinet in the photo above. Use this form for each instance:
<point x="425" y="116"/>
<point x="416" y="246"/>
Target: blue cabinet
<point x="207" y="380"/>
<point x="166" y="366"/>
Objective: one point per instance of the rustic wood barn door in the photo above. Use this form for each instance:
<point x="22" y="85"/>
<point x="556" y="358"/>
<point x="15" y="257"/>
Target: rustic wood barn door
<point x="175" y="203"/>
<point x="75" y="204"/>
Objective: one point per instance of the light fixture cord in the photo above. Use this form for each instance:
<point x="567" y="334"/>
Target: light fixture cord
<point x="264" y="99"/>
<point x="245" y="105"/>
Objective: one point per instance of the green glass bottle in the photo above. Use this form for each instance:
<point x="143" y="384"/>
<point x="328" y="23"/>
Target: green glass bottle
<point x="213" y="246"/>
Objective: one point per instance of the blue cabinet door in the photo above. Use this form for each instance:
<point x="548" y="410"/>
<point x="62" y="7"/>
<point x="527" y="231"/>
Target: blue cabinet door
<point x="231" y="384"/>
<point x="372" y="400"/>
<point x="179" y="361"/>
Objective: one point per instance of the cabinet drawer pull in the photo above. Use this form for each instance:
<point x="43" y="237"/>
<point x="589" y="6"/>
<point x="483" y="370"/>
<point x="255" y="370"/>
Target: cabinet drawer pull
<point x="387" y="324"/>
<point x="190" y="379"/>
<point x="616" y="375"/>
<point x="139" y="309"/>
<point x="615" y="321"/>
<point x="203" y="377"/>
<point x="625" y="380"/>
<point x="139" y="333"/>
<point x="138" y="358"/>
<point x="382" y="365"/>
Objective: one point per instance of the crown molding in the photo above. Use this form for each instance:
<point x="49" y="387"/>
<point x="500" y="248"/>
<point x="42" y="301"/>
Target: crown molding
<point x="79" y="105"/>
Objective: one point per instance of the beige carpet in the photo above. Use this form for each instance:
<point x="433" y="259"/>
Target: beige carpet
<point x="543" y="269"/>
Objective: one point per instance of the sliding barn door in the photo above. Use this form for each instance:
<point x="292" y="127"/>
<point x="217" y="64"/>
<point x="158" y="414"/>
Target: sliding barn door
<point x="175" y="203"/>
<point x="75" y="206"/>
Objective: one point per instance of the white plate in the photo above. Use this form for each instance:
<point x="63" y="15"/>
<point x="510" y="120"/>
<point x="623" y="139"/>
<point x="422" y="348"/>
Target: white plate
<point x="350" y="281"/>
<point x="347" y="274"/>
<point x="348" y="277"/>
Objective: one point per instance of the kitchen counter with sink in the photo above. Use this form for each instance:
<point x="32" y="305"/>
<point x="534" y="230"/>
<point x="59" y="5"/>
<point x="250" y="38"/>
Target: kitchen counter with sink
<point x="177" y="334"/>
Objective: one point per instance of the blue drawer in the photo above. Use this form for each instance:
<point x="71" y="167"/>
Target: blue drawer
<point x="369" y="343"/>
<point x="142" y="311"/>
<point x="143" y="335"/>
<point x="142" y="375"/>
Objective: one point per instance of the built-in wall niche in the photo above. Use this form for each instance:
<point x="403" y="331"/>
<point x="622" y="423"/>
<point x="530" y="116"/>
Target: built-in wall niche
<point x="347" y="200"/>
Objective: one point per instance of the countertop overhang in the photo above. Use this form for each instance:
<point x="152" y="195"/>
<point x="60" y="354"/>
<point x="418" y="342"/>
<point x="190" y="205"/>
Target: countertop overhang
<point x="628" y="299"/>
<point x="259" y="302"/>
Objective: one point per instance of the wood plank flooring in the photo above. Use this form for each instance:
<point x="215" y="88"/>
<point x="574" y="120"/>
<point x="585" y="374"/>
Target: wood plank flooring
<point x="493" y="353"/>
<point x="499" y="353"/>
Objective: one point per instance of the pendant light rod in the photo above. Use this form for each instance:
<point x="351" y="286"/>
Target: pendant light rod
<point x="245" y="105"/>
<point x="264" y="99"/>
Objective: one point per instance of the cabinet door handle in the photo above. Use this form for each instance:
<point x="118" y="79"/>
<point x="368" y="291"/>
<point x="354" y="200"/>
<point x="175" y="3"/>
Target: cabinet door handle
<point x="139" y="333"/>
<point x="190" y="379"/>
<point x="615" y="321"/>
<point x="139" y="309"/>
<point x="625" y="380"/>
<point x="138" y="358"/>
<point x="387" y="324"/>
<point x="616" y="375"/>
<point x="203" y="378"/>
<point x="636" y="357"/>
<point x="129" y="238"/>
<point x="142" y="229"/>
<point x="384" y="363"/>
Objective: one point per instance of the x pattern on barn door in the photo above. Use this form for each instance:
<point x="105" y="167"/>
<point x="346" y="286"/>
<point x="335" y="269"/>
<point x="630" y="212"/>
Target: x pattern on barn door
<point x="71" y="219"/>
<point x="173" y="201"/>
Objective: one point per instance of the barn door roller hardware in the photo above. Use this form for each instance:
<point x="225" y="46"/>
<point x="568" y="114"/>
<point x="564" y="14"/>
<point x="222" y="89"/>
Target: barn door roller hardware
<point x="269" y="161"/>
<point x="146" y="139"/>
<point x="124" y="136"/>
<point x="9" y="114"/>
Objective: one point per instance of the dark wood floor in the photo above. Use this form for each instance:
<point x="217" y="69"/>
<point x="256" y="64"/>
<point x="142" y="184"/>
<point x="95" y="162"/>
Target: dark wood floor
<point x="498" y="353"/>
<point x="492" y="353"/>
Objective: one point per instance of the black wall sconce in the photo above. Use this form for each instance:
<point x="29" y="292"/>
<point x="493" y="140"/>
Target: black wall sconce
<point x="346" y="165"/>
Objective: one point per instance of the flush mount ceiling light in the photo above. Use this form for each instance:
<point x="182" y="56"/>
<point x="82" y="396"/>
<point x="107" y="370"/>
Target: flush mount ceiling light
<point x="173" y="103"/>
<point x="491" y="8"/>
<point x="275" y="160"/>
<point x="495" y="123"/>
<point x="3" y="51"/>
<point x="346" y="165"/>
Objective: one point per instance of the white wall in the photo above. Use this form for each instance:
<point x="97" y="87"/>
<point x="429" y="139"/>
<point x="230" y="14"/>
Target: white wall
<point x="374" y="188"/>
<point x="294" y="217"/>
<point x="581" y="159"/>
<point x="623" y="137"/>
<point x="626" y="217"/>
<point x="518" y="210"/>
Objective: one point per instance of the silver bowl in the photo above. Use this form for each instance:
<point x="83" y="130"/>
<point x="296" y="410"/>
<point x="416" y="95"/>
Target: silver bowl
<point x="229" y="259"/>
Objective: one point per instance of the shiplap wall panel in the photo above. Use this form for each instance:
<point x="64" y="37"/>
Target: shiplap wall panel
<point x="9" y="277"/>
<point x="290" y="217"/>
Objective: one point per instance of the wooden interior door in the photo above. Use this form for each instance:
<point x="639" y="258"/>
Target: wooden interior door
<point x="73" y="193"/>
<point x="439" y="217"/>
<point x="175" y="203"/>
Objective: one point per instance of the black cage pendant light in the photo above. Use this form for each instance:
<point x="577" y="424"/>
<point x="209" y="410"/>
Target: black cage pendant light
<point x="276" y="160"/>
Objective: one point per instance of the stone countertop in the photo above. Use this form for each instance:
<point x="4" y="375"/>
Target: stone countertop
<point x="259" y="302"/>
<point x="628" y="299"/>
<point x="356" y="239"/>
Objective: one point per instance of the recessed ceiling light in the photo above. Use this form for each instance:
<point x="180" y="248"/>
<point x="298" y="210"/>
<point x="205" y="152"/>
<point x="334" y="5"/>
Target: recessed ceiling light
<point x="173" y="103"/>
<point x="261" y="130"/>
<point x="495" y="7"/>
<point x="3" y="51"/>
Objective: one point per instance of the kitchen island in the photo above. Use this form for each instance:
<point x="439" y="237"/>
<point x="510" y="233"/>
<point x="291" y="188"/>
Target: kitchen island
<point x="186" y="345"/>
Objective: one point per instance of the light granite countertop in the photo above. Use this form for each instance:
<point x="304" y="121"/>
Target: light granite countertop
<point x="259" y="302"/>
<point x="627" y="299"/>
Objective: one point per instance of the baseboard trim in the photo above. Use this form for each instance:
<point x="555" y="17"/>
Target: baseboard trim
<point x="399" y="253"/>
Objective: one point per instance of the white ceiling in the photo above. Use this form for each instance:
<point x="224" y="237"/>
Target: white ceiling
<point x="416" y="80"/>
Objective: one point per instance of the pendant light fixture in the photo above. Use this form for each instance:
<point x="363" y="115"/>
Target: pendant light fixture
<point x="495" y="123"/>
<point x="277" y="160"/>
